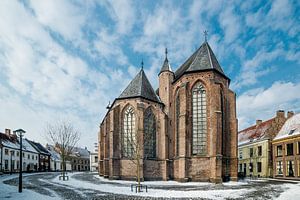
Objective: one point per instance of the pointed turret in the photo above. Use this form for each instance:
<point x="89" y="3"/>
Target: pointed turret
<point x="166" y="66"/>
<point x="202" y="60"/>
<point x="166" y="77"/>
<point x="140" y="87"/>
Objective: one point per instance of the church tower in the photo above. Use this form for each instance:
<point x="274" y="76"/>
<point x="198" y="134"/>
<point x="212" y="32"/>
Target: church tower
<point x="166" y="77"/>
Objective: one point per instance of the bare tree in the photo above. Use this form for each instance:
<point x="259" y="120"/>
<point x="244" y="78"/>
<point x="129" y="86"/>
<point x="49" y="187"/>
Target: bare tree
<point x="64" y="137"/>
<point x="137" y="152"/>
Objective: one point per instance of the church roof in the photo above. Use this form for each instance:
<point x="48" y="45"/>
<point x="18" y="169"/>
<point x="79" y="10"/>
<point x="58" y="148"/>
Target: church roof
<point x="290" y="128"/>
<point x="139" y="87"/>
<point x="202" y="59"/>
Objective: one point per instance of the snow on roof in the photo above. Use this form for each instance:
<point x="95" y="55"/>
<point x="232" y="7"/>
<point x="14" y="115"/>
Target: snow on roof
<point x="254" y="133"/>
<point x="81" y="152"/>
<point x="290" y="128"/>
<point x="54" y="154"/>
<point x="27" y="146"/>
<point x="9" y="141"/>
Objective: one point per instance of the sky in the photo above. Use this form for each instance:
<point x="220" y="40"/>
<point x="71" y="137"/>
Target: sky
<point x="65" y="60"/>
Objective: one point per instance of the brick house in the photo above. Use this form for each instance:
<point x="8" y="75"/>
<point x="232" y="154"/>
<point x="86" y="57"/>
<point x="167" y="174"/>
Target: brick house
<point x="286" y="150"/>
<point x="255" y="146"/>
<point x="190" y="124"/>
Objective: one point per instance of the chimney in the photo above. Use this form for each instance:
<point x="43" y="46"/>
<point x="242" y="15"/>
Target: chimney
<point x="7" y="132"/>
<point x="280" y="114"/>
<point x="258" y="122"/>
<point x="290" y="114"/>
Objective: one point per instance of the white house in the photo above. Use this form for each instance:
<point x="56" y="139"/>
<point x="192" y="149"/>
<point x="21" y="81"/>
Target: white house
<point x="10" y="153"/>
<point x="55" y="160"/>
<point x="94" y="159"/>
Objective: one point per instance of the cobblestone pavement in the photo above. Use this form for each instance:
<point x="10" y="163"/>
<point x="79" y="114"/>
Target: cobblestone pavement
<point x="42" y="184"/>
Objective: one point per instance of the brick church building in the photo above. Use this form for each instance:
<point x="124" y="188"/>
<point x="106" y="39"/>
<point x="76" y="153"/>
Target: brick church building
<point x="187" y="128"/>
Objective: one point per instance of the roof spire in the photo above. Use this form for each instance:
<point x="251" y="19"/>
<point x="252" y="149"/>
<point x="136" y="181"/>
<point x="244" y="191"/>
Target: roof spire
<point x="205" y="35"/>
<point x="166" y="52"/>
<point x="142" y="64"/>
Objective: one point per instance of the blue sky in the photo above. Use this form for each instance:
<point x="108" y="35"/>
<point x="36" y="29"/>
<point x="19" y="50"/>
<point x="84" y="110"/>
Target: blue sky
<point x="65" y="60"/>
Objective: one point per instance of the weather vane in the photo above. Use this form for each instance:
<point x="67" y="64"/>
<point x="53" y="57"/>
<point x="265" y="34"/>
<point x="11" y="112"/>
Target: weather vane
<point x="205" y="35"/>
<point x="142" y="64"/>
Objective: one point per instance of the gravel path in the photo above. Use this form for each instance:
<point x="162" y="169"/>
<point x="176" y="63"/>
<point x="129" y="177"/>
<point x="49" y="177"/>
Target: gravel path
<point x="41" y="183"/>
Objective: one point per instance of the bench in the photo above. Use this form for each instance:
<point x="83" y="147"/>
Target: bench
<point x="138" y="186"/>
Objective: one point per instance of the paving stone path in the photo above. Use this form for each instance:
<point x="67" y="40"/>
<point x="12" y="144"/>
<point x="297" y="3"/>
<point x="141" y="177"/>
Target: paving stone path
<point x="42" y="184"/>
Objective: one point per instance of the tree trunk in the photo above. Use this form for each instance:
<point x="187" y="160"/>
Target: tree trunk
<point x="63" y="167"/>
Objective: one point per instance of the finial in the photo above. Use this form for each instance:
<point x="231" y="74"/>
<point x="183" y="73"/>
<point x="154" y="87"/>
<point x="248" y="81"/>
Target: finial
<point x="166" y="52"/>
<point x="205" y="35"/>
<point x="108" y="106"/>
<point x="142" y="64"/>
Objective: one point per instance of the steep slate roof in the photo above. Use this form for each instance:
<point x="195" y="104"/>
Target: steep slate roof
<point x="290" y="128"/>
<point x="39" y="147"/>
<point x="166" y="66"/>
<point x="255" y="132"/>
<point x="202" y="59"/>
<point x="139" y="87"/>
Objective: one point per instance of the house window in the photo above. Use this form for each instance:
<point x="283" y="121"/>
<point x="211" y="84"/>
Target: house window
<point x="12" y="153"/>
<point x="251" y="152"/>
<point x="259" y="167"/>
<point x="149" y="134"/>
<point x="36" y="157"/>
<point x="240" y="167"/>
<point x="279" y="168"/>
<point x="251" y="167"/>
<point x="12" y="165"/>
<point x="6" y="151"/>
<point x="279" y="150"/>
<point x="129" y="137"/>
<point x="18" y="164"/>
<point x="32" y="157"/>
<point x="299" y="147"/>
<point x="241" y="154"/>
<point x="96" y="158"/>
<point x="28" y="156"/>
<point x="290" y="168"/>
<point x="6" y="164"/>
<point x="177" y="123"/>
<point x="259" y="150"/>
<point x="199" y="119"/>
<point x="290" y="149"/>
<point x="18" y="153"/>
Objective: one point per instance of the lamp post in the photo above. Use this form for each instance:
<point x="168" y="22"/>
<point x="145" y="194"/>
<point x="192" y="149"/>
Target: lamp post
<point x="20" y="132"/>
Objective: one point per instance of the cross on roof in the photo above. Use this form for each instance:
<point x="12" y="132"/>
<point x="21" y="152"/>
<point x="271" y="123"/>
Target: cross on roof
<point x="205" y="35"/>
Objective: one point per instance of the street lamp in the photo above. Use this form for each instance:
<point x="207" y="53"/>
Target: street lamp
<point x="20" y="132"/>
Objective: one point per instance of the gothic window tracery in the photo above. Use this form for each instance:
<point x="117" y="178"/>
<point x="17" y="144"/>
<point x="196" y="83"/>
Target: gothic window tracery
<point x="128" y="138"/>
<point x="149" y="134"/>
<point x="199" y="131"/>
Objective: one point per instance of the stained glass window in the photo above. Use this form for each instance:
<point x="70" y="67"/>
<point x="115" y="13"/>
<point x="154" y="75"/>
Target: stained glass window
<point x="149" y="134"/>
<point x="128" y="138"/>
<point x="199" y="119"/>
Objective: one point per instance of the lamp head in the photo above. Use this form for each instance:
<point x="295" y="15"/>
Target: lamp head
<point x="19" y="132"/>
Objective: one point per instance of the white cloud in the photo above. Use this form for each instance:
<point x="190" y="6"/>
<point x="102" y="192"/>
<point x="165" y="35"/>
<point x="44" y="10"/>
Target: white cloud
<point x="123" y="13"/>
<point x="261" y="103"/>
<point x="62" y="17"/>
<point x="230" y="24"/>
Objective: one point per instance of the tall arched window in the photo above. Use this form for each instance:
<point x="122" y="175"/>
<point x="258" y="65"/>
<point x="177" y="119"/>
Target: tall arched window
<point x="149" y="134"/>
<point x="199" y="119"/>
<point x="177" y="104"/>
<point x="128" y="138"/>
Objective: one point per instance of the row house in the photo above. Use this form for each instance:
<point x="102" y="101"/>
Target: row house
<point x="80" y="159"/>
<point x="255" y="146"/>
<point x="10" y="154"/>
<point x="43" y="156"/>
<point x="286" y="148"/>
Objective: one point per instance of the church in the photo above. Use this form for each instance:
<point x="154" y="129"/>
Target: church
<point x="186" y="130"/>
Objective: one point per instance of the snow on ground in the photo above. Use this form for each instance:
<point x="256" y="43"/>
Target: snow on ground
<point x="125" y="190"/>
<point x="292" y="192"/>
<point x="8" y="191"/>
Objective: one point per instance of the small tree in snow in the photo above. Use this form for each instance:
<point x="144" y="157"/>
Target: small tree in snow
<point x="64" y="137"/>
